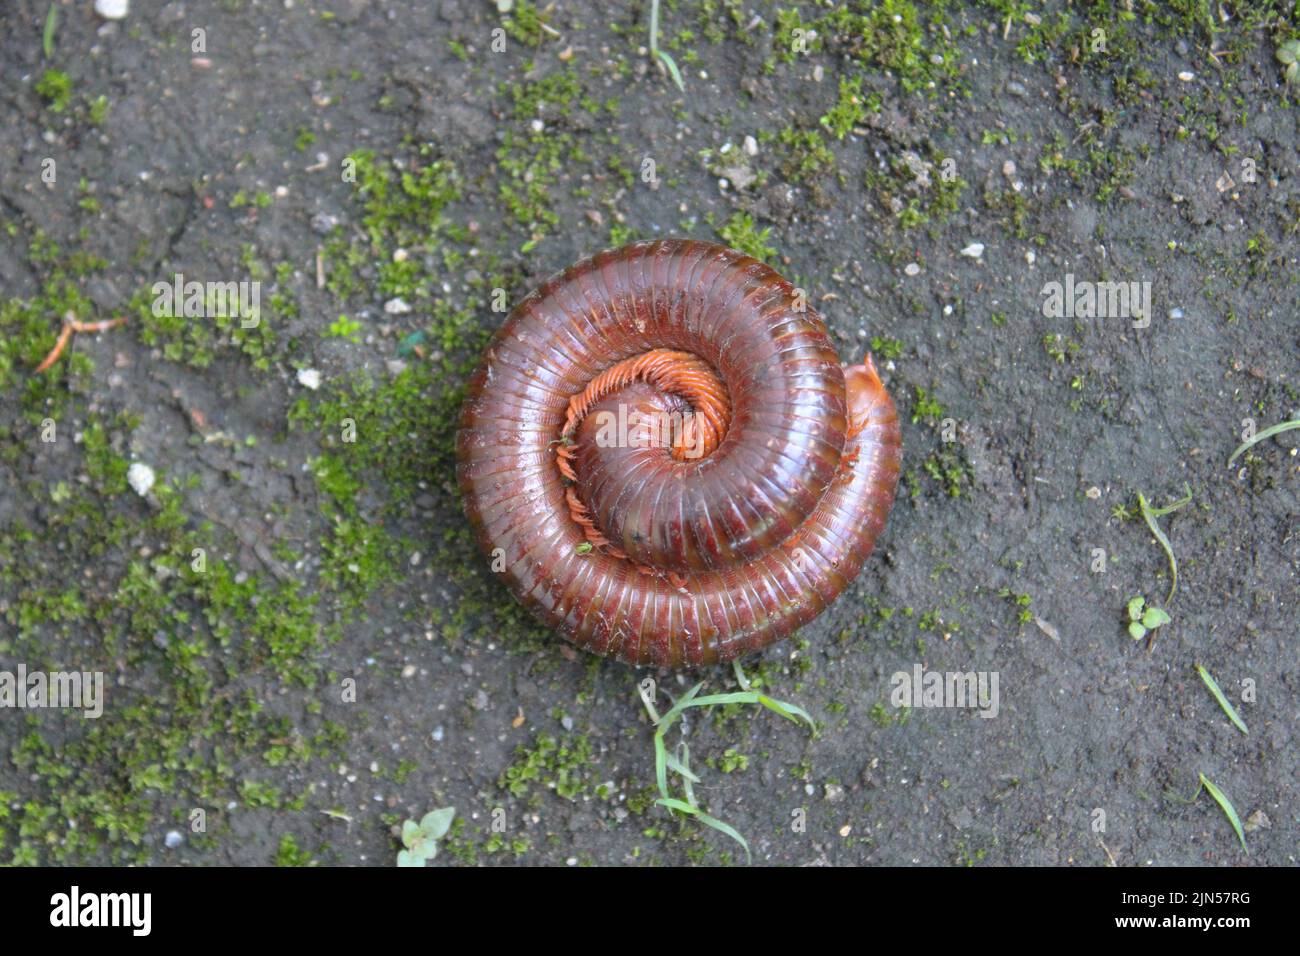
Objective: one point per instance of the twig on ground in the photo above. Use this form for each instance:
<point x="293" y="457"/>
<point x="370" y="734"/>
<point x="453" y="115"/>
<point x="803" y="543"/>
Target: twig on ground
<point x="72" y="324"/>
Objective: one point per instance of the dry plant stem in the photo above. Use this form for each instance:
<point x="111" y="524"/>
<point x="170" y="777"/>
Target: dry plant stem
<point x="71" y="325"/>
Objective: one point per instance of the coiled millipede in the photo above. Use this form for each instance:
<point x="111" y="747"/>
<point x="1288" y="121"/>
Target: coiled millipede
<point x="666" y="458"/>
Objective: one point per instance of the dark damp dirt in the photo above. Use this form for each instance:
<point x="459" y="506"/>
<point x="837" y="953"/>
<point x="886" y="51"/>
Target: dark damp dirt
<point x="302" y="647"/>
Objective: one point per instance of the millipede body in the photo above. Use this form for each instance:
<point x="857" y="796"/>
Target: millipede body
<point x="665" y="458"/>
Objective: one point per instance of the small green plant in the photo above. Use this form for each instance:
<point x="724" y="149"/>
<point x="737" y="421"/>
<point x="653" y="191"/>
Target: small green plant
<point x="1142" y="619"/>
<point x="421" y="839"/>
<point x="1149" y="515"/>
<point x="662" y="55"/>
<point x="679" y="761"/>
<point x="1288" y="54"/>
<point x="345" y="328"/>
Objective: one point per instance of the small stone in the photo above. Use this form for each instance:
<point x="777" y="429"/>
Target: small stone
<point x="113" y="9"/>
<point x="750" y="146"/>
<point x="1175" y="313"/>
<point x="323" y="223"/>
<point x="480" y="701"/>
<point x="846" y="829"/>
<point x="833" y="793"/>
<point x="912" y="269"/>
<point x="566" y="722"/>
<point x="398" y="306"/>
<point x="173" y="839"/>
<point x="1094" y="492"/>
<point x="1187" y="76"/>
<point x="974" y="250"/>
<point x="140" y="477"/>
<point x="1009" y="168"/>
<point x="309" y="378"/>
<point x="437" y="734"/>
<point x="1017" y="89"/>
<point x="408" y="670"/>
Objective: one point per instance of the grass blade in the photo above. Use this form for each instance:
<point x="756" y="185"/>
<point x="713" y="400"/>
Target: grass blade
<point x="788" y="711"/>
<point x="678" y="766"/>
<point x="680" y="705"/>
<point x="1223" y="701"/>
<point x="51" y="24"/>
<point x="680" y="805"/>
<point x="735" y="697"/>
<point x="1260" y="436"/>
<point x="672" y="70"/>
<point x="726" y="828"/>
<point x="1149" y="515"/>
<point x="661" y="764"/>
<point x="1226" y="805"/>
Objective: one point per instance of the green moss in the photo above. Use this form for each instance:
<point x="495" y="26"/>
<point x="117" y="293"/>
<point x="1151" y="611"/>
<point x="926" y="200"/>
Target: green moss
<point x="562" y="765"/>
<point x="742" y="234"/>
<point x="55" y="87"/>
<point x="288" y="853"/>
<point x="851" y="108"/>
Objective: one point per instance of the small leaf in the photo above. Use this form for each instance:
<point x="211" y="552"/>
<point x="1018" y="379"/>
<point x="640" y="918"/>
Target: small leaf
<point x="1223" y="701"/>
<point x="1226" y="805"/>
<point x="426" y="849"/>
<point x="407" y="858"/>
<point x="436" y="823"/>
<point x="1137" y="631"/>
<point x="584" y="548"/>
<point x="410" y="833"/>
<point x="1135" y="608"/>
<point x="1153" y="618"/>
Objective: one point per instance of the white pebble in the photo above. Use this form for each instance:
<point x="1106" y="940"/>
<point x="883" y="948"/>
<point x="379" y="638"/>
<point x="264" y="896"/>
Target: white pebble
<point x="309" y="378"/>
<point x="750" y="146"/>
<point x="173" y="839"/>
<point x="1186" y="76"/>
<point x="912" y="269"/>
<point x="974" y="250"/>
<point x="397" y="306"/>
<point x="112" y="9"/>
<point x="141" y="477"/>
